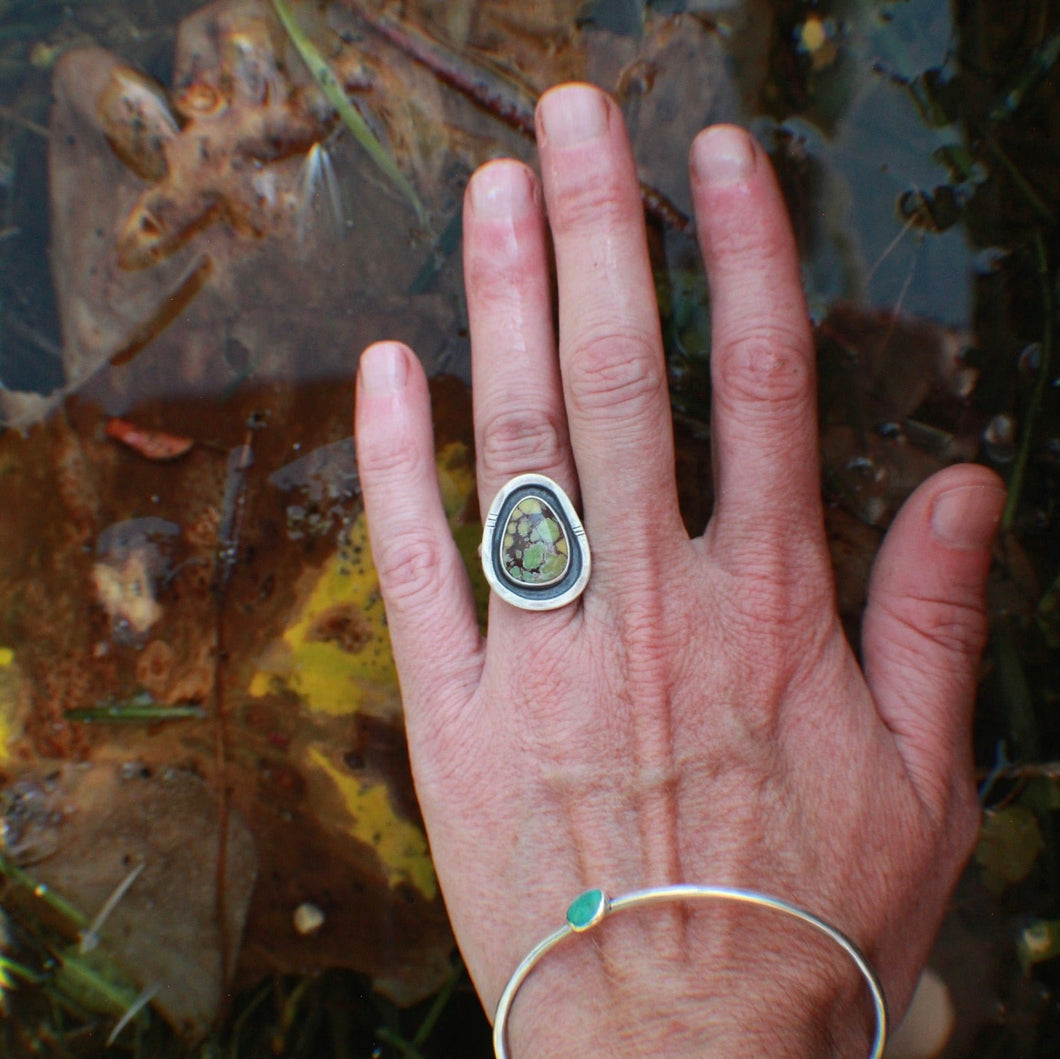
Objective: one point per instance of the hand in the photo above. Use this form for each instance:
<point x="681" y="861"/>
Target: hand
<point x="698" y="715"/>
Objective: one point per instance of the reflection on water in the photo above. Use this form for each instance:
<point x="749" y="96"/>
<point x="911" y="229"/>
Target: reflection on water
<point x="196" y="242"/>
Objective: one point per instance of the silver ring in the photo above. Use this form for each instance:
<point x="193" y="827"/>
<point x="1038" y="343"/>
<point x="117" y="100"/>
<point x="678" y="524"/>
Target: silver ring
<point x="590" y="908"/>
<point x="534" y="550"/>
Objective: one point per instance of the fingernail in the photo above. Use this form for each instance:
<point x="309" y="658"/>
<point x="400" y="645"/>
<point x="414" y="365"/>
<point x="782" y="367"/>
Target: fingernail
<point x="968" y="516"/>
<point x="383" y="369"/>
<point x="501" y="189"/>
<point x="723" y="155"/>
<point x="572" y="115"/>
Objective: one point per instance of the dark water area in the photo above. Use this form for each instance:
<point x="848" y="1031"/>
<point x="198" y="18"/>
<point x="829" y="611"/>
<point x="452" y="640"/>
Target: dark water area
<point x="200" y="724"/>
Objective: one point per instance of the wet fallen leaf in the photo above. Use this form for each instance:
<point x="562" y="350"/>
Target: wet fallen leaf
<point x="1009" y="845"/>
<point x="163" y="932"/>
<point x="152" y="444"/>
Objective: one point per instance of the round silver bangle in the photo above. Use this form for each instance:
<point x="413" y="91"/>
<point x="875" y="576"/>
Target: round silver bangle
<point x="590" y="908"/>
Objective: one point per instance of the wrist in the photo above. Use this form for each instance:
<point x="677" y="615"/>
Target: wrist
<point x="693" y="982"/>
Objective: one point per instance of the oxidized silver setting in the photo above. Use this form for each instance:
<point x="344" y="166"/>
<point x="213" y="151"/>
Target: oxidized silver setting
<point x="554" y="547"/>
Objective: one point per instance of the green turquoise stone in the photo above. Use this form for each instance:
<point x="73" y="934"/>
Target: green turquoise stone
<point x="535" y="549"/>
<point x="587" y="910"/>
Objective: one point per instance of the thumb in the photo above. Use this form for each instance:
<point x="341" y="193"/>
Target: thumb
<point x="925" y="624"/>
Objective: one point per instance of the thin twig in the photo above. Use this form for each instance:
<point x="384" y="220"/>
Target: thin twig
<point x="1027" y="770"/>
<point x="12" y="115"/>
<point x="398" y="1043"/>
<point x="445" y="994"/>
<point x="497" y="94"/>
<point x="1034" y="200"/>
<point x="1030" y="417"/>
<point x="31" y="334"/>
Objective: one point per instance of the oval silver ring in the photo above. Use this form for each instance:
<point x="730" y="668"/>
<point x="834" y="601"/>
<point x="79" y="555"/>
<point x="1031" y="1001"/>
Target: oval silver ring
<point x="534" y="551"/>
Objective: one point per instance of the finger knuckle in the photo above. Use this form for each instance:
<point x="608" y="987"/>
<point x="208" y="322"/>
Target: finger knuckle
<point x="618" y="374"/>
<point x="411" y="567"/>
<point x="768" y="368"/>
<point x="955" y="628"/>
<point x="514" y="439"/>
<point x="768" y="610"/>
<point x="777" y="585"/>
<point x="592" y="198"/>
<point x="496" y="272"/>
<point x="742" y="242"/>
<point x="391" y="459"/>
<point x="952" y="627"/>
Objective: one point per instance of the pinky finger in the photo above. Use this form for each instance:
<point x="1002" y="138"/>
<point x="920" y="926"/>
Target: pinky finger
<point x="430" y="610"/>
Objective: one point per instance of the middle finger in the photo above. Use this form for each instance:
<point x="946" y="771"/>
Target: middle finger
<point x="614" y="376"/>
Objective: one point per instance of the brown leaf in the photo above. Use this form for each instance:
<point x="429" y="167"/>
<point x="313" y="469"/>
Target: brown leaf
<point x="152" y="444"/>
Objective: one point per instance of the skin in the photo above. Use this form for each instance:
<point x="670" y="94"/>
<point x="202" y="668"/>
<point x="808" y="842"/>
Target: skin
<point x="697" y="716"/>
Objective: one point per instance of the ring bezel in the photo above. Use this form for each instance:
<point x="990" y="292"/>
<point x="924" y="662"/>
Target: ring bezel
<point x="526" y="596"/>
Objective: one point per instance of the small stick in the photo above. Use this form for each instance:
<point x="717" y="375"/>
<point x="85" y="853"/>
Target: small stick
<point x="1029" y="770"/>
<point x="119" y="714"/>
<point x="10" y="114"/>
<point x="1045" y="375"/>
<point x="497" y="95"/>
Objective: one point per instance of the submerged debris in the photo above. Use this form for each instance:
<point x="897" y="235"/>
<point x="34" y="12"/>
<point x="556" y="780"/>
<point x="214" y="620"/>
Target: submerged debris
<point x="132" y="561"/>
<point x="156" y="934"/>
<point x="319" y="488"/>
<point x="33" y="817"/>
<point x="152" y="444"/>
<point x="308" y="919"/>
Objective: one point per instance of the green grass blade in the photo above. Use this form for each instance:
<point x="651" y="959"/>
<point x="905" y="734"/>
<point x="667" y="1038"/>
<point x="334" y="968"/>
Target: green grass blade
<point x="133" y="714"/>
<point x="350" y="115"/>
<point x="10" y="870"/>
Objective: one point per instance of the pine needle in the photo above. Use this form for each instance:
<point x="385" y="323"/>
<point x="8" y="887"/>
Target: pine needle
<point x="90" y="937"/>
<point x="145" y="998"/>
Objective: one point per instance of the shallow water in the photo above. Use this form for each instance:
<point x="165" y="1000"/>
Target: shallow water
<point x="190" y="625"/>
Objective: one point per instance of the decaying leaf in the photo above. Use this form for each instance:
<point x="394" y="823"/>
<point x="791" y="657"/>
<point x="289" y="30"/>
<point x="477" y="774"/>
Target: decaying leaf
<point x="1009" y="844"/>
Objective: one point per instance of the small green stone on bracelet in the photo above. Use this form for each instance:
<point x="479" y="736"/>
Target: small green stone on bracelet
<point x="587" y="910"/>
<point x="591" y="907"/>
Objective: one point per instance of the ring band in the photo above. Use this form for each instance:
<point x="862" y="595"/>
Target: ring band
<point x="534" y="550"/>
<point x="591" y="907"/>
